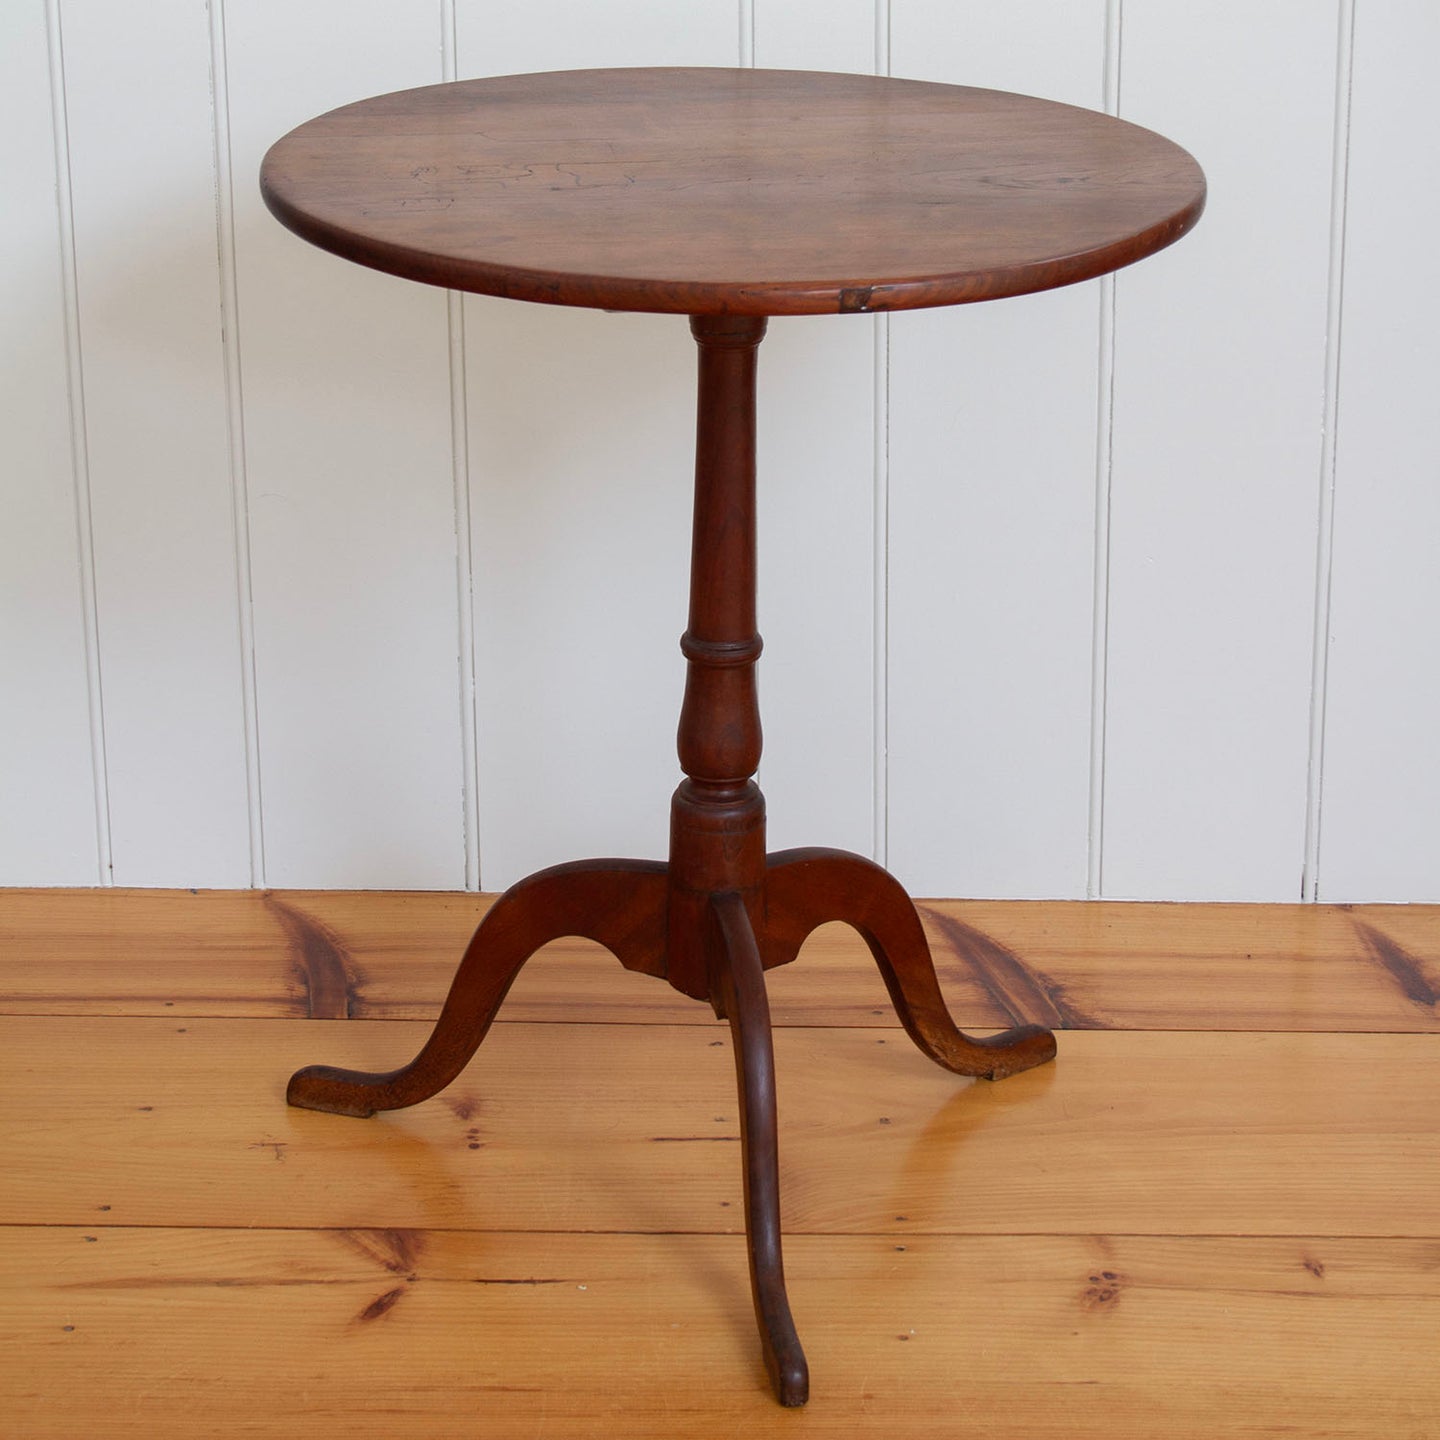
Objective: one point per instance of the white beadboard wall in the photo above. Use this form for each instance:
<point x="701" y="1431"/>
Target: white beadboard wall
<point x="313" y="577"/>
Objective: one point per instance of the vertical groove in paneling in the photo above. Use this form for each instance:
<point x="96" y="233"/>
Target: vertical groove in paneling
<point x="1381" y="772"/>
<point x="747" y="33"/>
<point x="235" y="429"/>
<point x="1325" y="528"/>
<point x="464" y="545"/>
<point x="1100" y="609"/>
<point x="464" y="587"/>
<point x="1114" y="48"/>
<point x="881" y="571"/>
<point x="881" y="581"/>
<point x="1104" y="465"/>
<point x="84" y="527"/>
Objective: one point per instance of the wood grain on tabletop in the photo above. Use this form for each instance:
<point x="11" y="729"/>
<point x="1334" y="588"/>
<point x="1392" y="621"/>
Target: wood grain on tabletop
<point x="715" y="191"/>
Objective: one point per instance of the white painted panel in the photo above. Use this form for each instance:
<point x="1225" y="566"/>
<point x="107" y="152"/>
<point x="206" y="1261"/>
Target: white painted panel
<point x="581" y="433"/>
<point x="1051" y="48"/>
<point x="47" y="787"/>
<point x="1379" y="835"/>
<point x="992" y="469"/>
<point x="581" y="445"/>
<point x="817" y="512"/>
<point x="992" y="444"/>
<point x="347" y="431"/>
<point x="815" y="34"/>
<point x="142" y="168"/>
<point x="816" y="481"/>
<point x="511" y="39"/>
<point x="1220" y="349"/>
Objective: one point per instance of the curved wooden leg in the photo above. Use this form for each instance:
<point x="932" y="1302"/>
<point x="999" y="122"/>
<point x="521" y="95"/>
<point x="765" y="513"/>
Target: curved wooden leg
<point x="619" y="903"/>
<point x="805" y="888"/>
<point x="740" y="983"/>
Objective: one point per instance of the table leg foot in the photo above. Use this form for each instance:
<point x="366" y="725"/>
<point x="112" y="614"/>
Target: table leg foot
<point x="805" y="888"/>
<point x="619" y="903"/>
<point x="740" y="987"/>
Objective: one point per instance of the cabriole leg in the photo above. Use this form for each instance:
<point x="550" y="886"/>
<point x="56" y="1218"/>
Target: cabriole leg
<point x="806" y="888"/>
<point x="619" y="903"/>
<point x="740" y="986"/>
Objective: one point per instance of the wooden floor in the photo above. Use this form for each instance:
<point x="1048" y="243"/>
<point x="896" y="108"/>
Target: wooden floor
<point x="1217" y="1215"/>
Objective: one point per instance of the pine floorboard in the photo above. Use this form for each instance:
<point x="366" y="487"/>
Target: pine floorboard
<point x="1215" y="1216"/>
<point x="160" y="1332"/>
<point x="389" y="956"/>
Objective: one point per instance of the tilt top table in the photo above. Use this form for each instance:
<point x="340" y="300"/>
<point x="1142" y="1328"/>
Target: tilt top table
<point x="728" y="196"/>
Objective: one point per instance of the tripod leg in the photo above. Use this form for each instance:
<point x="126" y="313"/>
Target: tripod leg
<point x="805" y="888"/>
<point x="740" y="982"/>
<point x="619" y="903"/>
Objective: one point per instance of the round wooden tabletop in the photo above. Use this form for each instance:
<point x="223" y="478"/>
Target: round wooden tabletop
<point x="744" y="192"/>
